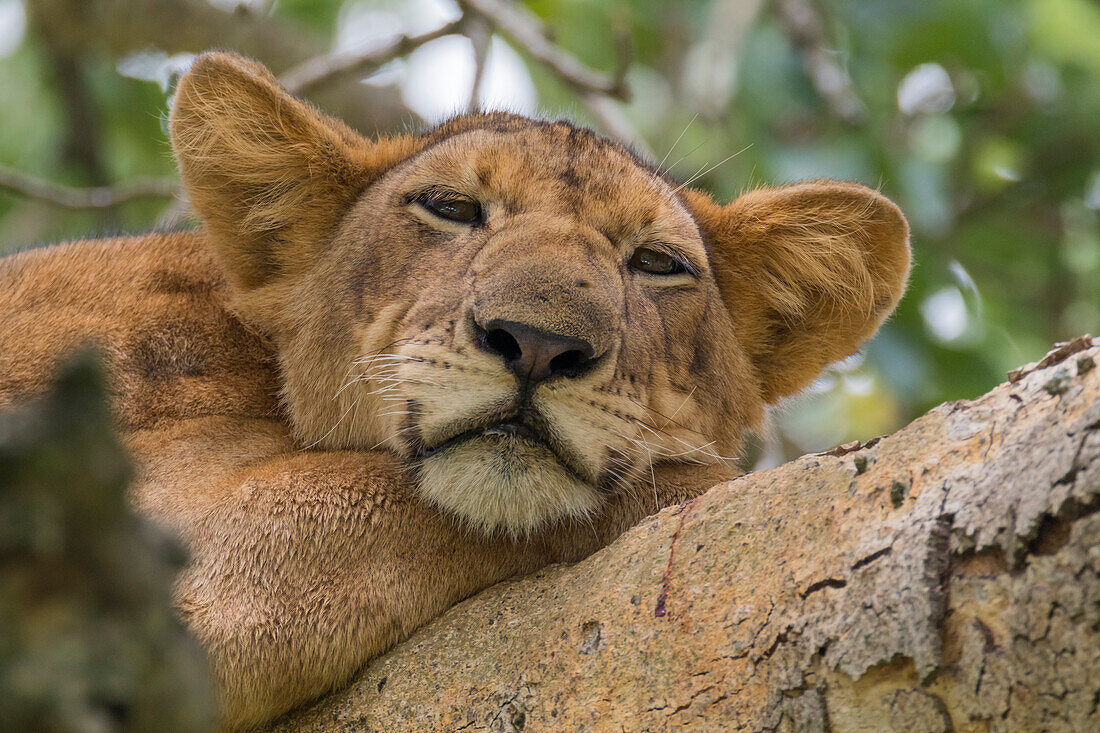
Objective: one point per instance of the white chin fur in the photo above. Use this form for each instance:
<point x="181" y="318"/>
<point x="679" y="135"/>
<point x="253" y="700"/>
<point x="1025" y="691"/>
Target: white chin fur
<point x="504" y="484"/>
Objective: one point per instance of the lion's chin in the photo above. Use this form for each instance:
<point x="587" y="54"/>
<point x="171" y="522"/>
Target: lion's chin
<point x="509" y="485"/>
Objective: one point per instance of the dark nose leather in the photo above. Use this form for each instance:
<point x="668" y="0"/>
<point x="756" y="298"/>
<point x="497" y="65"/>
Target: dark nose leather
<point x="536" y="355"/>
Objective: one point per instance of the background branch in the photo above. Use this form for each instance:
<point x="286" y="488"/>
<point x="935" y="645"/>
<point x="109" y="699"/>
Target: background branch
<point x="120" y="27"/>
<point x="525" y="30"/>
<point x="111" y="29"/>
<point x="479" y="33"/>
<point x="597" y="92"/>
<point x="806" y="29"/>
<point x="97" y="197"/>
<point x="329" y="67"/>
<point x="481" y="17"/>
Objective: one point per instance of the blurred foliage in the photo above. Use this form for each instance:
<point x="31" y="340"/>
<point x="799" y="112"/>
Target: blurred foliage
<point x="87" y="638"/>
<point x="982" y="119"/>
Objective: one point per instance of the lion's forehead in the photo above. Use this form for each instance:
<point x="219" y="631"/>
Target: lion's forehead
<point x="557" y="167"/>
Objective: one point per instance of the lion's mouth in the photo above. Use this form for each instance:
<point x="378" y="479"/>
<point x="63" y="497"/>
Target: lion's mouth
<point x="506" y="432"/>
<point x="514" y="427"/>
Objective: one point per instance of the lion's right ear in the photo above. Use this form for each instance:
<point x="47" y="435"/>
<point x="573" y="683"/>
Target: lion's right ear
<point x="270" y="174"/>
<point x="808" y="272"/>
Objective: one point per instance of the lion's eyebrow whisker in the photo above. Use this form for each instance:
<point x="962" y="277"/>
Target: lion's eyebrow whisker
<point x="683" y="157"/>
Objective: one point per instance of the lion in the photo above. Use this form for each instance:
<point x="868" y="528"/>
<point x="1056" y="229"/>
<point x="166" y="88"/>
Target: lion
<point x="387" y="373"/>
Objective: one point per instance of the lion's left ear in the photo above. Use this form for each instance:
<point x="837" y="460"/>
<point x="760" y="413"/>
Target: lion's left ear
<point x="808" y="272"/>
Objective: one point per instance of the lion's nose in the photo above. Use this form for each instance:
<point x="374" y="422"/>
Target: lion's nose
<point x="533" y="354"/>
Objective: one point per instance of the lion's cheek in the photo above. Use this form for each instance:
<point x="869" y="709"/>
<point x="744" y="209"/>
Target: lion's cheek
<point x="510" y="485"/>
<point x="587" y="431"/>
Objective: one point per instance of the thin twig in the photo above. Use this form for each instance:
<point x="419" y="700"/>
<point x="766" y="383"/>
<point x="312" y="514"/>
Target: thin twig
<point x="596" y="91"/>
<point x="480" y="35"/>
<point x="97" y="197"/>
<point x="525" y="31"/>
<point x="331" y="66"/>
<point x="806" y="29"/>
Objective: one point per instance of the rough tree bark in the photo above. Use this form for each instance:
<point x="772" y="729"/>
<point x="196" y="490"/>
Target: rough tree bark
<point x="944" y="578"/>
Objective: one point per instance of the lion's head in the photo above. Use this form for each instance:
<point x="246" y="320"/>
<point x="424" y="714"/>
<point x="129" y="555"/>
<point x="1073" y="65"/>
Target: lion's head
<point x="528" y="313"/>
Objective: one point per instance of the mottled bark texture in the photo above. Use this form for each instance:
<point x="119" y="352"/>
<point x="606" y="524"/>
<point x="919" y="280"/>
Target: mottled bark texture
<point x="943" y="578"/>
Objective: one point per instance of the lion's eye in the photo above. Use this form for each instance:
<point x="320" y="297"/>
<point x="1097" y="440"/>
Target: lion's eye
<point x="656" y="262"/>
<point x="451" y="208"/>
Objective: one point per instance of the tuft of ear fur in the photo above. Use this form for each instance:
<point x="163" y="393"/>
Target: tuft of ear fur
<point x="270" y="175"/>
<point x="808" y="272"/>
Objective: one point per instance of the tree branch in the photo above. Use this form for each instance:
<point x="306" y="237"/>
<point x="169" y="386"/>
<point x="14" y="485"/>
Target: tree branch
<point x="480" y="35"/>
<point x="946" y="572"/>
<point x="596" y="91"/>
<point x="97" y="197"/>
<point x="525" y="31"/>
<point x="325" y="68"/>
<point x="120" y="27"/>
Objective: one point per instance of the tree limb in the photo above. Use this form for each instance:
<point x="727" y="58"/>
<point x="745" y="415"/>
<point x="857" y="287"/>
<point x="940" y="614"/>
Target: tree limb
<point x="596" y="90"/>
<point x="92" y="28"/>
<point x="942" y="578"/>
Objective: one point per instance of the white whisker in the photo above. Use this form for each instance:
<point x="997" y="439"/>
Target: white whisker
<point x="699" y="175"/>
<point x="386" y="357"/>
<point x="392" y="436"/>
<point x="671" y="417"/>
<point x="677" y="141"/>
<point x="330" y="432"/>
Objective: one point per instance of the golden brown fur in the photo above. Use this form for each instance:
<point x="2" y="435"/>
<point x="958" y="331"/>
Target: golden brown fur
<point x="323" y="314"/>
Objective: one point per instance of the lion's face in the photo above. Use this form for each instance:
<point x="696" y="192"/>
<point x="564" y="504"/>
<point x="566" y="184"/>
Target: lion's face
<point x="531" y="319"/>
<point x="526" y="312"/>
